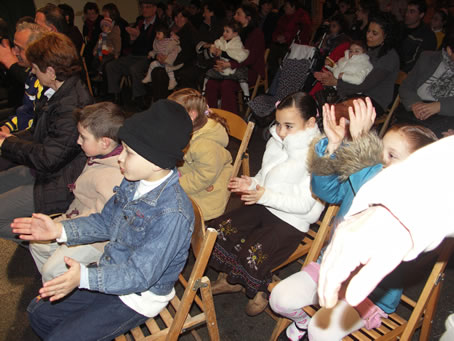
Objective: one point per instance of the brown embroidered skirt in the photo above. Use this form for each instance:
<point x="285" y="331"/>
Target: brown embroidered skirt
<point x="251" y="242"/>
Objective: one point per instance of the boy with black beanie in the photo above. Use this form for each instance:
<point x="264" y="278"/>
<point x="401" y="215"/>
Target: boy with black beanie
<point x="148" y="222"/>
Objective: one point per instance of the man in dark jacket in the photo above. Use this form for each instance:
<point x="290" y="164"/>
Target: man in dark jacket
<point x="417" y="36"/>
<point x="142" y="35"/>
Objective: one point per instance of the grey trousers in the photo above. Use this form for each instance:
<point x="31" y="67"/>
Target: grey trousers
<point x="134" y="66"/>
<point x="16" y="198"/>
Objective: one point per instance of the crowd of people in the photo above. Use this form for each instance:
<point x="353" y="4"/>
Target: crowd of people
<point x="120" y="182"/>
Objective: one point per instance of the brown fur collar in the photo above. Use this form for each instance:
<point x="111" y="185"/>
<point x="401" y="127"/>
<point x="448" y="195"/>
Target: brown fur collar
<point x="350" y="158"/>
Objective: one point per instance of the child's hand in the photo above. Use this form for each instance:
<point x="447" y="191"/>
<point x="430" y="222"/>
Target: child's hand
<point x="239" y="184"/>
<point x="362" y="117"/>
<point x="38" y="227"/>
<point x="334" y="132"/>
<point x="212" y="49"/>
<point x="209" y="188"/>
<point x="251" y="197"/>
<point x="62" y="285"/>
<point x="174" y="36"/>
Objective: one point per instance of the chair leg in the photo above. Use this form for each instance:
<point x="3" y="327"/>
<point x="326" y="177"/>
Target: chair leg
<point x="429" y="314"/>
<point x="209" y="310"/>
<point x="281" y="325"/>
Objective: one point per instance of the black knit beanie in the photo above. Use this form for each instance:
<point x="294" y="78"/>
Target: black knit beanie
<point x="159" y="134"/>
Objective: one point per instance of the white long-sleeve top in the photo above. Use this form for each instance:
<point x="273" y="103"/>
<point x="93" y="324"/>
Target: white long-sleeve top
<point x="354" y="68"/>
<point x="419" y="192"/>
<point x="234" y="49"/>
<point x="286" y="180"/>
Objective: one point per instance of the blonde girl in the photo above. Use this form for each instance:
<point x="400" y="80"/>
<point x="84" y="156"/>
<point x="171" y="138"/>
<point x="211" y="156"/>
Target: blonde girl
<point x="207" y="164"/>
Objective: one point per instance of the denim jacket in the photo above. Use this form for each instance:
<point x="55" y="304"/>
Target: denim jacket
<point x="149" y="238"/>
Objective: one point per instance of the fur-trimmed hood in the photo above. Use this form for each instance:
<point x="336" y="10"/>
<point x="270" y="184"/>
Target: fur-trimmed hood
<point x="363" y="152"/>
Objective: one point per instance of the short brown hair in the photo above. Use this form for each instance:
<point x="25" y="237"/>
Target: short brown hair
<point x="57" y="51"/>
<point x="417" y="136"/>
<point x="102" y="119"/>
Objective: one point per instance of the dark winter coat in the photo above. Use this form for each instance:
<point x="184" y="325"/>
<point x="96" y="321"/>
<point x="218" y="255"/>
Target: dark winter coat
<point x="50" y="147"/>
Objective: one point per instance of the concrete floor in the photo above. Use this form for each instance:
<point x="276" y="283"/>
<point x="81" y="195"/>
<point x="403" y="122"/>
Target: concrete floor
<point x="19" y="283"/>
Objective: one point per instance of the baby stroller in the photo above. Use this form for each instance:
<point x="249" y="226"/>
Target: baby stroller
<point x="297" y="65"/>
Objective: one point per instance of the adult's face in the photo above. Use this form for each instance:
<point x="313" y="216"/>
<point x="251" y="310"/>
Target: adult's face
<point x="40" y="19"/>
<point x="288" y="9"/>
<point x="412" y="16"/>
<point x="46" y="78"/>
<point x="148" y="10"/>
<point x="180" y="20"/>
<point x="91" y="15"/>
<point x="361" y="15"/>
<point x="207" y="14"/>
<point x="375" y="35"/>
<point x="241" y="17"/>
<point x="20" y="45"/>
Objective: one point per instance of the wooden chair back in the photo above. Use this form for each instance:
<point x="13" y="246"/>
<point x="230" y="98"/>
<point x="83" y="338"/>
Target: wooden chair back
<point x="396" y="327"/>
<point x="313" y="241"/>
<point x="84" y="65"/>
<point x="175" y="316"/>
<point x="385" y="119"/>
<point x="241" y="131"/>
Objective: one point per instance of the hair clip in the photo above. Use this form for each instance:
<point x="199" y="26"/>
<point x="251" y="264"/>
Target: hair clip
<point x="207" y="112"/>
<point x="277" y="104"/>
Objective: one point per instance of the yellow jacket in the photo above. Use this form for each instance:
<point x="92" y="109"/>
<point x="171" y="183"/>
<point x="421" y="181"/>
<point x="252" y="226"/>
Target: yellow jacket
<point x="207" y="163"/>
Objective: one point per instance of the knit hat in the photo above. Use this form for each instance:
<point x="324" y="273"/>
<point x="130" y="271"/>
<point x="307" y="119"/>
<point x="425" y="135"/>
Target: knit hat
<point x="106" y="22"/>
<point x="159" y="134"/>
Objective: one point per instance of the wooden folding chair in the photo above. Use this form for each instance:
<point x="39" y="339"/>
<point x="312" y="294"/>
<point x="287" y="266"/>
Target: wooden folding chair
<point x="241" y="131"/>
<point x="396" y="327"/>
<point x="311" y="246"/>
<point x="385" y="119"/>
<point x="258" y="83"/>
<point x="175" y="316"/>
<point x="84" y="65"/>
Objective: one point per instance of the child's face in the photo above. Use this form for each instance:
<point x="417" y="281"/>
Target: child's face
<point x="89" y="143"/>
<point x="134" y="167"/>
<point x="395" y="148"/>
<point x="334" y="27"/>
<point x="228" y="33"/>
<point x="159" y="35"/>
<point x="106" y="28"/>
<point x="355" y="50"/>
<point x="289" y="121"/>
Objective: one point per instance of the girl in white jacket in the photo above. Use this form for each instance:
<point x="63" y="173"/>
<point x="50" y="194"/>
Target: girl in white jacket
<point x="354" y="66"/>
<point x="279" y="207"/>
<point x="229" y="47"/>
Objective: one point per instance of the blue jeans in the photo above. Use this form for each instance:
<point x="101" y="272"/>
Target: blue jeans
<point x="82" y="315"/>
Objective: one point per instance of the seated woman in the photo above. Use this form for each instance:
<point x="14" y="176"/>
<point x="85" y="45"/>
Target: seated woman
<point x="252" y="38"/>
<point x="279" y="207"/>
<point x="427" y="94"/>
<point x="379" y="84"/>
<point x="207" y="166"/>
<point x="48" y="153"/>
<point x="339" y="168"/>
